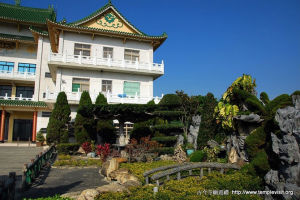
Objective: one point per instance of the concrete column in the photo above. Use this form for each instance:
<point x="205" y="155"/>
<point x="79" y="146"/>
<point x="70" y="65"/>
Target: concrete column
<point x="58" y="80"/>
<point x="39" y="64"/>
<point x="2" y="126"/>
<point x="34" y="126"/>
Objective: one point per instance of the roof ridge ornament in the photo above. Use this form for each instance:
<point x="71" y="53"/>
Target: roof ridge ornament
<point x="18" y="2"/>
<point x="109" y="2"/>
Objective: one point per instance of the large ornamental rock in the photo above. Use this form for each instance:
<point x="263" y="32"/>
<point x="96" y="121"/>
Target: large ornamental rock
<point x="179" y="154"/>
<point x="113" y="187"/>
<point x="286" y="148"/>
<point x="238" y="143"/>
<point x="212" y="143"/>
<point x="109" y="166"/>
<point x="122" y="176"/>
<point x="89" y="194"/>
<point x="194" y="130"/>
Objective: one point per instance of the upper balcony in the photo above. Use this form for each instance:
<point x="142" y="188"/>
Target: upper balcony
<point x="74" y="97"/>
<point x="105" y="64"/>
<point x="11" y="75"/>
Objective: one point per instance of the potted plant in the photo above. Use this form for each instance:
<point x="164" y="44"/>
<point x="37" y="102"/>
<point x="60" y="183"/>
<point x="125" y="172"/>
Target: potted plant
<point x="189" y="148"/>
<point x="40" y="139"/>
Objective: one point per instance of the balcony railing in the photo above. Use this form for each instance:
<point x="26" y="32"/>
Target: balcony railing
<point x="6" y="97"/>
<point x="17" y="75"/>
<point x="111" y="98"/>
<point x="109" y="62"/>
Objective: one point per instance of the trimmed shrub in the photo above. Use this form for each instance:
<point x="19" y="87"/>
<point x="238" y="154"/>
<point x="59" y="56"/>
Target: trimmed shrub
<point x="106" y="130"/>
<point x="57" y="127"/>
<point x="255" y="105"/>
<point x="101" y="100"/>
<point x="141" y="129"/>
<point x="170" y="101"/>
<point x="84" y="125"/>
<point x="279" y="102"/>
<point x="297" y="92"/>
<point x="67" y="148"/>
<point x="163" y="150"/>
<point x="260" y="163"/>
<point x="198" y="156"/>
<point x="151" y="102"/>
<point x="255" y="142"/>
<point x="166" y="140"/>
<point x="264" y="98"/>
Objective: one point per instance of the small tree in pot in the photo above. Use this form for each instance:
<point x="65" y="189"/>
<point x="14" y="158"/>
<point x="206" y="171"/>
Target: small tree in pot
<point x="40" y="139"/>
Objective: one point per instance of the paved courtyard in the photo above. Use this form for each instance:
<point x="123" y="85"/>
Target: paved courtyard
<point x="60" y="181"/>
<point x="13" y="158"/>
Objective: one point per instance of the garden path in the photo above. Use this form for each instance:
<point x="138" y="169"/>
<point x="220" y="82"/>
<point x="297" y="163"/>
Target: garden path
<point x="60" y="181"/>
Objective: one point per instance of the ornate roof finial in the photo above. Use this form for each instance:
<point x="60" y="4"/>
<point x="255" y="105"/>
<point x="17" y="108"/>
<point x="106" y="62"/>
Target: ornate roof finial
<point x="109" y="1"/>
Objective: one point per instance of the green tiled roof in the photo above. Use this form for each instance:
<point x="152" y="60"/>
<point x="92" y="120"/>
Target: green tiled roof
<point x="4" y="102"/>
<point x="26" y="14"/>
<point x="38" y="31"/>
<point x="16" y="37"/>
<point x="101" y="10"/>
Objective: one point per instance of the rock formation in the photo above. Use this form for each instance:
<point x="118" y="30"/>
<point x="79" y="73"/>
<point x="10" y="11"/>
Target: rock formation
<point x="179" y="154"/>
<point x="286" y="148"/>
<point x="194" y="130"/>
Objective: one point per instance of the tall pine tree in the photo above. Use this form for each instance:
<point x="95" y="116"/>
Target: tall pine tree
<point x="84" y="125"/>
<point x="57" y="131"/>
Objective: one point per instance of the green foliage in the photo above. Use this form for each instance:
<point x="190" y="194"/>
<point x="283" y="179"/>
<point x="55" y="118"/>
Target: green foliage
<point x="188" y="188"/>
<point x="151" y="102"/>
<point x="168" y="114"/>
<point x="57" y="127"/>
<point x="164" y="150"/>
<point x="167" y="128"/>
<point x="255" y="105"/>
<point x="141" y="129"/>
<point x="71" y="161"/>
<point x="212" y="153"/>
<point x="297" y="92"/>
<point x="165" y="139"/>
<point x="249" y="169"/>
<point x="224" y="113"/>
<point x="83" y="127"/>
<point x="170" y="101"/>
<point x="101" y="99"/>
<point x="67" y="148"/>
<point x="208" y="128"/>
<point x="279" y="102"/>
<point x="106" y="130"/>
<point x="198" y="156"/>
<point x="56" y="197"/>
<point x="40" y="137"/>
<point x="245" y="82"/>
<point x="264" y="98"/>
<point x="255" y="141"/>
<point x="260" y="163"/>
<point x="138" y="168"/>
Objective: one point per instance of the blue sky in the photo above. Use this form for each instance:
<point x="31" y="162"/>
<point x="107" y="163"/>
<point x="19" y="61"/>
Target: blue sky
<point x="211" y="42"/>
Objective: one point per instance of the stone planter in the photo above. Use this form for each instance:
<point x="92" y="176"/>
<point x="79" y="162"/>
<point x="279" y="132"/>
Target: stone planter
<point x="189" y="151"/>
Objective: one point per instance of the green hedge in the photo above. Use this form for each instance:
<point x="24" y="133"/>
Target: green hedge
<point x="198" y="156"/>
<point x="67" y="148"/>
<point x="164" y="150"/>
<point x="167" y="127"/>
<point x="165" y="139"/>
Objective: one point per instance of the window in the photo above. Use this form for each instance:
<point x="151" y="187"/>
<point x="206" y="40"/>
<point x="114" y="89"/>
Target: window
<point x="85" y="49"/>
<point x="107" y="51"/>
<point x="5" y="89"/>
<point x="43" y="130"/>
<point x="80" y="84"/>
<point x="6" y="66"/>
<point x="46" y="114"/>
<point x="131" y="88"/>
<point x="27" y="67"/>
<point x="47" y="74"/>
<point x="26" y="91"/>
<point x="131" y="55"/>
<point x="106" y="85"/>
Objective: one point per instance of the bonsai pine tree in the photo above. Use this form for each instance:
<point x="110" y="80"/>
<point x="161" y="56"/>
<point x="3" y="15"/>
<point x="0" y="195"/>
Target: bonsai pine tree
<point x="57" y="131"/>
<point x="84" y="125"/>
<point x="101" y="100"/>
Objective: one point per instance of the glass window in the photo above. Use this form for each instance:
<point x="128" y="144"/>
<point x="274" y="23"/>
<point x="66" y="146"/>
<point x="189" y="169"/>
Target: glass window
<point x="81" y="84"/>
<point x="107" y="51"/>
<point x="46" y="114"/>
<point x="131" y="88"/>
<point x="131" y="55"/>
<point x="47" y="74"/>
<point x="5" y="89"/>
<point x="26" y="91"/>
<point x="106" y="85"/>
<point x="85" y="49"/>
<point x="27" y="67"/>
<point x="6" y="66"/>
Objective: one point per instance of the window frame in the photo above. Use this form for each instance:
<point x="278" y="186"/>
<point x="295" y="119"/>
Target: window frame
<point x="132" y="95"/>
<point x="8" y="89"/>
<point x="81" y="82"/>
<point x="106" y="85"/>
<point x="131" y="55"/>
<point x="106" y="54"/>
<point x="82" y="49"/>
<point x="25" y="91"/>
<point x="9" y="65"/>
<point x="30" y="66"/>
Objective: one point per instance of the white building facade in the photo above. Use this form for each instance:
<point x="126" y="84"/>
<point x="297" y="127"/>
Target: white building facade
<point x="40" y="57"/>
